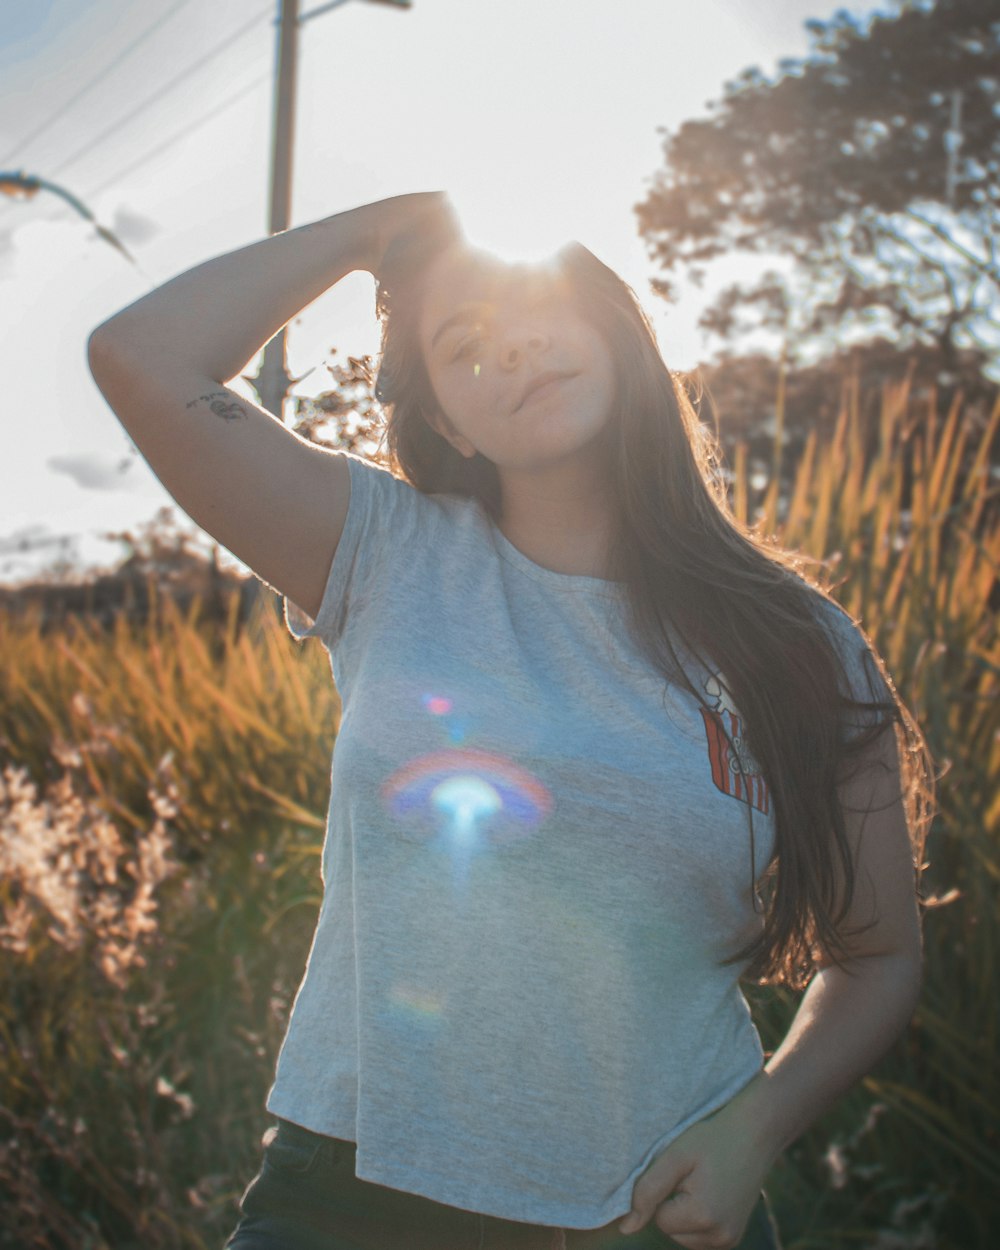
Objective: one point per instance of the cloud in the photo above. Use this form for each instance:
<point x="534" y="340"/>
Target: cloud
<point x="92" y="472"/>
<point x="44" y="248"/>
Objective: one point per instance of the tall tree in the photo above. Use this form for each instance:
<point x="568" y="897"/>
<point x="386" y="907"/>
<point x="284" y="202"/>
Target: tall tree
<point x="867" y="173"/>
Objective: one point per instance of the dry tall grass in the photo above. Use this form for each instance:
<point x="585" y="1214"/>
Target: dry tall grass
<point x="919" y="1139"/>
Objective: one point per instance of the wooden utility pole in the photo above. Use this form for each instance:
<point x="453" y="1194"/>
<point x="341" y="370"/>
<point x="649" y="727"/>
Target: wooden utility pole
<point x="272" y="381"/>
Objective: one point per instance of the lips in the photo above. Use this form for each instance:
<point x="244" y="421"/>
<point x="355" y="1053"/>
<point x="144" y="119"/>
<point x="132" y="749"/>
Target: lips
<point x="540" y="380"/>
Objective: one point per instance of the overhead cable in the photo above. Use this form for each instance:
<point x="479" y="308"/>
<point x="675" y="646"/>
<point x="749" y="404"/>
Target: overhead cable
<point x="180" y="134"/>
<point x="100" y="77"/>
<point x="164" y="90"/>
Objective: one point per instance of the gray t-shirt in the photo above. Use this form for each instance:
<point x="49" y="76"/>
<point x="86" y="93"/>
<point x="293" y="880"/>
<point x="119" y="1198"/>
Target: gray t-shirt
<point x="536" y="853"/>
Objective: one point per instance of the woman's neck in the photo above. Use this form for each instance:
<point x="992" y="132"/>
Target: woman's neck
<point x="560" y="522"/>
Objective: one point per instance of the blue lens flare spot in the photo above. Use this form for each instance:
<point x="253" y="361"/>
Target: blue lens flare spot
<point x="465" y="801"/>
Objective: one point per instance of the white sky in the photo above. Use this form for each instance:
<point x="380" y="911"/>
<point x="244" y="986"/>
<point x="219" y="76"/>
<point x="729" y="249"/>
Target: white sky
<point x="539" y="117"/>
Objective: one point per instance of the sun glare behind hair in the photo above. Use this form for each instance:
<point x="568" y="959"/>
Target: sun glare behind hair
<point x="513" y="234"/>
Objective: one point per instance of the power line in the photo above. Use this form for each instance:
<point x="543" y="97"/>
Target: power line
<point x="169" y="142"/>
<point x="101" y="76"/>
<point x="164" y="90"/>
<point x="217" y="50"/>
<point x="180" y="134"/>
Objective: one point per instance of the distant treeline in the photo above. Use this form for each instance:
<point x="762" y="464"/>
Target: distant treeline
<point x="193" y="583"/>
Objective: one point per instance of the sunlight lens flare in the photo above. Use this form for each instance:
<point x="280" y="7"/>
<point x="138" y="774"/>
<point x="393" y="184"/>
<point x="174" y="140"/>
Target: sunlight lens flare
<point x="465" y="802"/>
<point x="513" y="235"/>
<point x="444" y="709"/>
<point x="417" y="1005"/>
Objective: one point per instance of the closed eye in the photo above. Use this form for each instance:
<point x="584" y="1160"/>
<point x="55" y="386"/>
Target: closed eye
<point x="472" y="343"/>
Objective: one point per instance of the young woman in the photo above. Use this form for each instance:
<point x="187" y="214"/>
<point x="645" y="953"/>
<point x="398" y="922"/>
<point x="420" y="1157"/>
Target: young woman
<point x="603" y="753"/>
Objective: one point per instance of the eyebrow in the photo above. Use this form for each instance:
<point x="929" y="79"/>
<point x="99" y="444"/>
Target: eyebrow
<point x="464" y="316"/>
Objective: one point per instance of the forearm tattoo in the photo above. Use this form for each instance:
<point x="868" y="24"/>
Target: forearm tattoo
<point x="222" y="404"/>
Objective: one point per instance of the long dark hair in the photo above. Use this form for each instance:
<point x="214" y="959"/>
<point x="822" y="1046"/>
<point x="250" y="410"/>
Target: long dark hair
<point x="695" y="575"/>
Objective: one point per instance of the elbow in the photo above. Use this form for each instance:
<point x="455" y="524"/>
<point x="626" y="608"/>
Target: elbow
<point x="917" y="974"/>
<point x="97" y="348"/>
<point x="912" y="959"/>
<point x="895" y="976"/>
<point x="112" y="331"/>
<point x="104" y="347"/>
<point x="906" y="982"/>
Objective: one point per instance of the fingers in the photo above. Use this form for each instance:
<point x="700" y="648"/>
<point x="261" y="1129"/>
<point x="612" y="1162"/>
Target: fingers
<point x="681" y="1217"/>
<point x="696" y="1230"/>
<point x="422" y="220"/>
<point x="659" y="1185"/>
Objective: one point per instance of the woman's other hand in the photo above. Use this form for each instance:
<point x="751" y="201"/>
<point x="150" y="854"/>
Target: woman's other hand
<point x="383" y="220"/>
<point x="702" y="1189"/>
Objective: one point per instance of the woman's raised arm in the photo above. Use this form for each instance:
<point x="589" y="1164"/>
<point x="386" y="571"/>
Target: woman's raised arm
<point x="276" y="501"/>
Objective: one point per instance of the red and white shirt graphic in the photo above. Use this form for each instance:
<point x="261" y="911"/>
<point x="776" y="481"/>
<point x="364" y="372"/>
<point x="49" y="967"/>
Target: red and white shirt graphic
<point x="735" y="772"/>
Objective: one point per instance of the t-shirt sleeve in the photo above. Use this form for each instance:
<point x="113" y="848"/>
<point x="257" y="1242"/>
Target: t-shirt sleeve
<point x="860" y="682"/>
<point x="382" y="516"/>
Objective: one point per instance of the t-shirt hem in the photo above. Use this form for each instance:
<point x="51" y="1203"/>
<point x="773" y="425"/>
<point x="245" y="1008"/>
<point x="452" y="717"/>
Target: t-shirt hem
<point x="502" y="1204"/>
<point x="305" y="1116"/>
<point x="441" y="1188"/>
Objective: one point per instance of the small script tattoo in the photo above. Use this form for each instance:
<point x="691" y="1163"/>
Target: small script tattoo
<point x="222" y="404"/>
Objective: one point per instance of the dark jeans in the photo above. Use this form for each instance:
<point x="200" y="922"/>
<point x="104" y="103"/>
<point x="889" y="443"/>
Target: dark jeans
<point x="307" y="1197"/>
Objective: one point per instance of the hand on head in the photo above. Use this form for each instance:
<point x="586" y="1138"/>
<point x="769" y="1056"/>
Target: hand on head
<point x="403" y="224"/>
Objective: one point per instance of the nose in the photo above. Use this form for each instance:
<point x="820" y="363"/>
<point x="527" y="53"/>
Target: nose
<point x="521" y="339"/>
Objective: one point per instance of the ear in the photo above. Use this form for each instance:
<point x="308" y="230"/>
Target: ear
<point x="440" y="424"/>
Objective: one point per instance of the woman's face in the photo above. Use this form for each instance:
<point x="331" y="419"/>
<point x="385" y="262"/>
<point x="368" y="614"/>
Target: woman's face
<point x="518" y="374"/>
